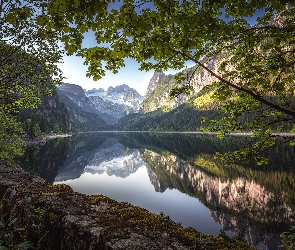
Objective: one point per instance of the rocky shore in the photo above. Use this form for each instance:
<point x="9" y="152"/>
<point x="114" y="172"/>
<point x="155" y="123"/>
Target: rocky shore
<point x="39" y="141"/>
<point x="55" y="217"/>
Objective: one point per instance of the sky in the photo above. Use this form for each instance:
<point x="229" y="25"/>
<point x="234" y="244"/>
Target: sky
<point x="75" y="72"/>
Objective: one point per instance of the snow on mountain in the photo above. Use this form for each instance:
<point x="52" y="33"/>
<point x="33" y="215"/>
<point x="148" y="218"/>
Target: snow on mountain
<point x="116" y="101"/>
<point x="77" y="96"/>
<point x="111" y="104"/>
<point x="112" y="159"/>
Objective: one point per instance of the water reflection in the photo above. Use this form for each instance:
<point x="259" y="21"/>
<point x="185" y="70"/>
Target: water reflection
<point x="177" y="175"/>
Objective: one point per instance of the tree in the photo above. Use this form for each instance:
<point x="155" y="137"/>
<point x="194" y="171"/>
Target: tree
<point x="255" y="80"/>
<point x="28" y="56"/>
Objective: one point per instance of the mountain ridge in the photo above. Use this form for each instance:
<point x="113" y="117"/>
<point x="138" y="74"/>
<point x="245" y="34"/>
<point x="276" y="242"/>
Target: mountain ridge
<point x="116" y="101"/>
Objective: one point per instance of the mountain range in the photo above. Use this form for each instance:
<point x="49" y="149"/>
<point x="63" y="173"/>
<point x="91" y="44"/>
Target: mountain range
<point x="123" y="108"/>
<point x="109" y="105"/>
<point x="115" y="101"/>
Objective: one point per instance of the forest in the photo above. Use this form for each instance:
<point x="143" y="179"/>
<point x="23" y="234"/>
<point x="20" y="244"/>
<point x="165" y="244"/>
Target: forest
<point x="254" y="82"/>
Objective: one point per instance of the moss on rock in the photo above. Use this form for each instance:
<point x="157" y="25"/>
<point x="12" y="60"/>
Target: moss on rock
<point x="75" y="221"/>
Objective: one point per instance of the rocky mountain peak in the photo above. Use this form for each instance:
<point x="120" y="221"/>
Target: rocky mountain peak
<point x="94" y="90"/>
<point x="115" y="101"/>
<point x="120" y="88"/>
<point x="77" y="97"/>
<point x="72" y="88"/>
<point x="158" y="91"/>
<point x="157" y="77"/>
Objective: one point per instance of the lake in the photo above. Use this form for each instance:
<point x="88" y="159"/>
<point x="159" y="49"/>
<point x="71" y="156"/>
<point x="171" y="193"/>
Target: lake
<point x="178" y="175"/>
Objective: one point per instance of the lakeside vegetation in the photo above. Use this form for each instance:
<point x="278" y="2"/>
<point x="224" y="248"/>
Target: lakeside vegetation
<point x="254" y="85"/>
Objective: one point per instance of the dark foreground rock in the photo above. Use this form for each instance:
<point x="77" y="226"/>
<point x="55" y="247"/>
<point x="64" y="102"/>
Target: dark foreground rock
<point x="55" y="217"/>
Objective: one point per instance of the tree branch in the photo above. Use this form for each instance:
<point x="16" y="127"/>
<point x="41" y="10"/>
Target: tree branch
<point x="239" y="88"/>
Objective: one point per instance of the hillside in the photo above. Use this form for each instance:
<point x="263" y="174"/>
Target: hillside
<point x="160" y="85"/>
<point x="75" y="98"/>
<point x="81" y="119"/>
<point x="182" y="113"/>
<point x="50" y="116"/>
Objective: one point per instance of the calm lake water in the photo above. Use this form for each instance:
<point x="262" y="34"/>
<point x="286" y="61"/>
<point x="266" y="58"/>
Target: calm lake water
<point x="176" y="174"/>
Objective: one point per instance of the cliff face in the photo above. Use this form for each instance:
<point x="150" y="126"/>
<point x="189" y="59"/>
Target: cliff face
<point x="153" y="83"/>
<point x="115" y="101"/>
<point x="239" y="195"/>
<point x="160" y="85"/>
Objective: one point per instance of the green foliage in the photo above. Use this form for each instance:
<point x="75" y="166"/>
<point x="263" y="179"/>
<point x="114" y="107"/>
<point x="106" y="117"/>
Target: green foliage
<point x="256" y="74"/>
<point x="238" y="238"/>
<point x="205" y="101"/>
<point x="165" y="218"/>
<point x="288" y="239"/>
<point x="50" y="115"/>
<point x="38" y="225"/>
<point x="183" y="118"/>
<point x="10" y="143"/>
<point x="256" y="63"/>
<point x="8" y="235"/>
<point x="29" y="54"/>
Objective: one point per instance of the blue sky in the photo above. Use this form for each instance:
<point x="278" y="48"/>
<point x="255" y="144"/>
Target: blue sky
<point x="75" y="72"/>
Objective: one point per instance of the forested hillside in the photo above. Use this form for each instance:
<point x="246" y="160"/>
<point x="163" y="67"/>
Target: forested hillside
<point x="81" y="119"/>
<point x="192" y="112"/>
<point x="50" y="116"/>
<point x="58" y="114"/>
<point x="183" y="118"/>
<point x="183" y="113"/>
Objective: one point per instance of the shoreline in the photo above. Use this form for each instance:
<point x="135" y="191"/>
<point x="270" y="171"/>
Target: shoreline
<point x="276" y="134"/>
<point x="39" y="141"/>
<point x="71" y="220"/>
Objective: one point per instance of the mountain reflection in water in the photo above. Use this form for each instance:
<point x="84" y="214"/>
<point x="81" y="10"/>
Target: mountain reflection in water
<point x="178" y="175"/>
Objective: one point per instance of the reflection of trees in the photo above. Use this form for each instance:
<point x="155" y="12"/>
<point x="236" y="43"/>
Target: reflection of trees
<point x="252" y="234"/>
<point x="263" y="195"/>
<point x="46" y="160"/>
<point x="277" y="177"/>
<point x="82" y="150"/>
<point x="238" y="204"/>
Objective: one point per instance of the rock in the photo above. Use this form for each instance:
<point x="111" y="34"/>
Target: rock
<point x="56" y="217"/>
<point x="77" y="221"/>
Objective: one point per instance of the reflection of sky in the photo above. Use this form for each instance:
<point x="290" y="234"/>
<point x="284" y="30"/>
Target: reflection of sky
<point x="121" y="166"/>
<point x="137" y="190"/>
